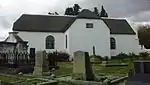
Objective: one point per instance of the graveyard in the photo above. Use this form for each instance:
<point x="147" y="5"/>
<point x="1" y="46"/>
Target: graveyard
<point x="82" y="70"/>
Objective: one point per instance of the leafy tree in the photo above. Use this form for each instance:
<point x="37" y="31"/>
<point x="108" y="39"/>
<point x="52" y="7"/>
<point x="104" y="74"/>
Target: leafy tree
<point x="69" y="11"/>
<point x="56" y="13"/>
<point x="103" y="13"/>
<point x="73" y="10"/>
<point x="96" y="11"/>
<point x="76" y="9"/>
<point x="144" y="36"/>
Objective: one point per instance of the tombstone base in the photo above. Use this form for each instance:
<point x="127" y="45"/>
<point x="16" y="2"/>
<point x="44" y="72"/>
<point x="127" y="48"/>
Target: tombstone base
<point x="78" y="76"/>
<point x="39" y="71"/>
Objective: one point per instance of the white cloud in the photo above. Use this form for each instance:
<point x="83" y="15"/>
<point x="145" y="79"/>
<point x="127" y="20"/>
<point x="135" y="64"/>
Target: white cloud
<point x="10" y="10"/>
<point x="142" y="16"/>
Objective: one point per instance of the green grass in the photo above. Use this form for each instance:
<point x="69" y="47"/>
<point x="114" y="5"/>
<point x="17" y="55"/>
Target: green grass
<point x="66" y="68"/>
<point x="112" y="70"/>
<point x="11" y="78"/>
<point x="16" y="78"/>
<point x="34" y="81"/>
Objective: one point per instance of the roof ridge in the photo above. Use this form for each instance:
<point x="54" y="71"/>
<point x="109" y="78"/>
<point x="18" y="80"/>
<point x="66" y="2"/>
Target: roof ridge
<point x="48" y="15"/>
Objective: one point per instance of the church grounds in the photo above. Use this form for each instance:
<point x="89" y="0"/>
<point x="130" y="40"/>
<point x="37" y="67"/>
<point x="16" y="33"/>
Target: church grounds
<point x="65" y="68"/>
<point x="111" y="68"/>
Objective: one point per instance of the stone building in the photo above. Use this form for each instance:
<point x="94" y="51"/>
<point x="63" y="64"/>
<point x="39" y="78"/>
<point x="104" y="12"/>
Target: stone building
<point x="13" y="43"/>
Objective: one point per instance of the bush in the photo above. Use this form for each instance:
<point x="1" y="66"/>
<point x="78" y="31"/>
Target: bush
<point x="55" y="57"/>
<point x="105" y="58"/>
<point x="144" y="55"/>
<point x="120" y="56"/>
<point x="58" y="56"/>
<point x="132" y="56"/>
<point x="95" y="59"/>
<point x="24" y="69"/>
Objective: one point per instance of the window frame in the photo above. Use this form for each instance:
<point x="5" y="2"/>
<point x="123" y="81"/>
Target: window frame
<point x="112" y="43"/>
<point x="89" y="25"/>
<point x="50" y="40"/>
<point x="66" y="38"/>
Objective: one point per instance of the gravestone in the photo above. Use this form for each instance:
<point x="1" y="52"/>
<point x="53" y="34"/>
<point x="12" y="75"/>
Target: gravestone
<point x="82" y="68"/>
<point x="140" y="75"/>
<point x="41" y="64"/>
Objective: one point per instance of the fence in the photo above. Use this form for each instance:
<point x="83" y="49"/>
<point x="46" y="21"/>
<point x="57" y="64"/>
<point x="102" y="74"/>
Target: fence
<point x="15" y="59"/>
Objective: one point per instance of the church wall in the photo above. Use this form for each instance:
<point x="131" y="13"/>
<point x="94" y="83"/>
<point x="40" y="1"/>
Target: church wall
<point x="125" y="44"/>
<point x="83" y="39"/>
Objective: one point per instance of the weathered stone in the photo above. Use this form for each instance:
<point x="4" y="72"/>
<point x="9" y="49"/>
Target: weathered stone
<point x="140" y="74"/>
<point x="82" y="67"/>
<point x="41" y="64"/>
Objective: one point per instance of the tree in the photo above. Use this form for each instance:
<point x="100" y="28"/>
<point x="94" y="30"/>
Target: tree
<point x="96" y="11"/>
<point x="73" y="10"/>
<point x="69" y="11"/>
<point x="144" y="36"/>
<point x="56" y="13"/>
<point x="76" y="9"/>
<point x="103" y="13"/>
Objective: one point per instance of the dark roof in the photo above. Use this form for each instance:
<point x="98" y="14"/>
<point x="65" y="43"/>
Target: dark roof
<point x="3" y="42"/>
<point x="43" y="23"/>
<point x="85" y="13"/>
<point x="119" y="26"/>
<point x="47" y="23"/>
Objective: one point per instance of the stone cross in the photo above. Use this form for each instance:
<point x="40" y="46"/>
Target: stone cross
<point x="82" y="67"/>
<point x="41" y="64"/>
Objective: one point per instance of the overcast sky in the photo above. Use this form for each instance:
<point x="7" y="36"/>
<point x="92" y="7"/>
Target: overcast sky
<point x="10" y="10"/>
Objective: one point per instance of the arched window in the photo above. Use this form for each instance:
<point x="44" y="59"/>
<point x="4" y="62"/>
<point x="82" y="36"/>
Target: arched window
<point x="112" y="43"/>
<point x="50" y="42"/>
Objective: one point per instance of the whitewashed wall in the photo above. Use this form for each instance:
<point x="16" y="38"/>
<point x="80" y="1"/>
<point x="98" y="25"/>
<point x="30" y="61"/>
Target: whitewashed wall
<point x="37" y="40"/>
<point x="82" y="38"/>
<point x="125" y="44"/>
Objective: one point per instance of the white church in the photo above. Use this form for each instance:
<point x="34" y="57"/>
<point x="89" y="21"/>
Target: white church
<point x="108" y="36"/>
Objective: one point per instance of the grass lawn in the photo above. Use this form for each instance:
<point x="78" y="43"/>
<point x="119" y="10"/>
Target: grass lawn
<point x="15" y="78"/>
<point x="66" y="68"/>
<point x="11" y="78"/>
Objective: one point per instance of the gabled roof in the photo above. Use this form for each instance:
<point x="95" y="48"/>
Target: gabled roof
<point x="48" y="23"/>
<point x="16" y="37"/>
<point x="43" y="23"/>
<point x="118" y="26"/>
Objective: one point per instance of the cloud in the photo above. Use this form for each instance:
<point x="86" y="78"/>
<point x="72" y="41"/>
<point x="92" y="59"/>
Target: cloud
<point x="120" y="8"/>
<point x="11" y="10"/>
<point x="142" y="16"/>
<point x="4" y="33"/>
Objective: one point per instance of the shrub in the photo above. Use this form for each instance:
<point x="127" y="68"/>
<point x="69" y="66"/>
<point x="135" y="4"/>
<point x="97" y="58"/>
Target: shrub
<point x="95" y="59"/>
<point x="120" y="56"/>
<point x="105" y="58"/>
<point x="144" y="55"/>
<point x="55" y="57"/>
<point x="58" y="56"/>
<point x="132" y="56"/>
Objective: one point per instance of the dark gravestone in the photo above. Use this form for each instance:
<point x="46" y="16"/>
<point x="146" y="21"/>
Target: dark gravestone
<point x="140" y="74"/>
<point x="82" y="66"/>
